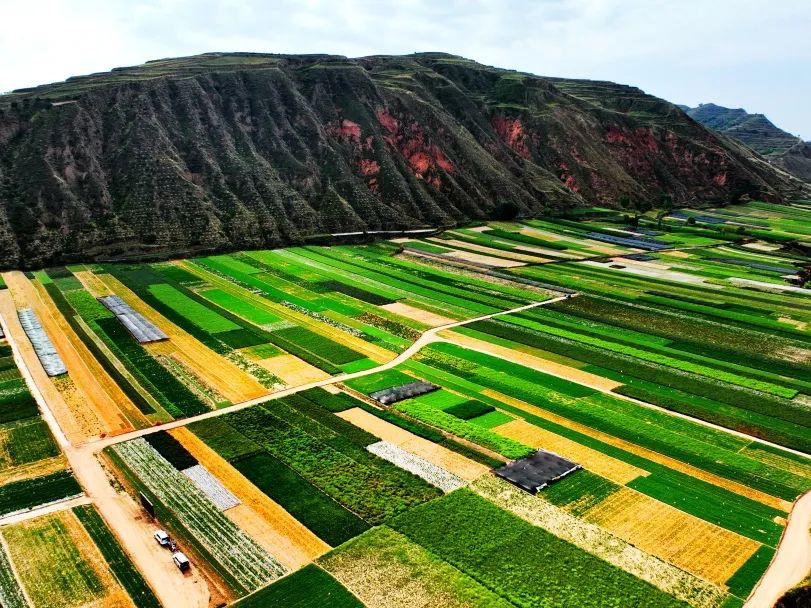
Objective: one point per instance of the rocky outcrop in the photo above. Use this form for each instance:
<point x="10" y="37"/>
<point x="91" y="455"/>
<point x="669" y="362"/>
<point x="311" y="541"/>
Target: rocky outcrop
<point x="227" y="151"/>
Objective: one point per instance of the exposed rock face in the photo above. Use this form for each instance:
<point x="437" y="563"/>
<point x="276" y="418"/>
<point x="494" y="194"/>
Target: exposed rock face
<point x="782" y="149"/>
<point x="242" y="151"/>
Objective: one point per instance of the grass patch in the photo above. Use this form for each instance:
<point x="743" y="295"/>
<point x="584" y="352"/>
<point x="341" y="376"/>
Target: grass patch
<point x="503" y="552"/>
<point x="309" y="587"/>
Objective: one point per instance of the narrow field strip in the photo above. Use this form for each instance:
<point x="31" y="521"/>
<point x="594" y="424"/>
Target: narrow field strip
<point x="436" y="476"/>
<point x="544" y="365"/>
<point x="606" y="466"/>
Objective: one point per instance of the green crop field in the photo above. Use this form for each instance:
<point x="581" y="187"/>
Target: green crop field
<point x="666" y="353"/>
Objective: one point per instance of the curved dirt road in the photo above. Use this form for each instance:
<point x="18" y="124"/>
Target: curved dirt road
<point x="792" y="561"/>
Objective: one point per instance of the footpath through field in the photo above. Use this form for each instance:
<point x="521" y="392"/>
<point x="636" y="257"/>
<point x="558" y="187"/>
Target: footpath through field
<point x="118" y="509"/>
<point x="122" y="514"/>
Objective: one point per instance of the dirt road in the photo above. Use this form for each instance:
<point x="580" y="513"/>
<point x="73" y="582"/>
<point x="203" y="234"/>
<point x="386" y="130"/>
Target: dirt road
<point x="792" y="562"/>
<point x="120" y="512"/>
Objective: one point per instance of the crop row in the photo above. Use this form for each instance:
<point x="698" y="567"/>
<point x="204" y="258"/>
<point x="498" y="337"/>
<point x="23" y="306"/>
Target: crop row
<point x="115" y="557"/>
<point x="542" y="325"/>
<point x="231" y="548"/>
<point x="11" y="594"/>
<point x="503" y="552"/>
<point x="28" y="493"/>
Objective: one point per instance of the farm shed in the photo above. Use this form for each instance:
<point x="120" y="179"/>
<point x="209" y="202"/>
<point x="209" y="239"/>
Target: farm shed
<point x="537" y="471"/>
<point x="141" y="329"/>
<point x="393" y="394"/>
<point x="50" y="359"/>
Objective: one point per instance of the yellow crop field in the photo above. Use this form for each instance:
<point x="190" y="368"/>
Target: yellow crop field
<point x="269" y="524"/>
<point x="292" y="370"/>
<point x="597" y="462"/>
<point x="688" y="542"/>
<point x="217" y="372"/>
<point x="656" y="457"/>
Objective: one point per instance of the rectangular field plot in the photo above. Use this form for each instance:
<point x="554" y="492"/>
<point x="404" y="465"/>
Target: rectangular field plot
<point x="50" y="359"/>
<point x="142" y="330"/>
<point x="504" y="552"/>
<point x="59" y="565"/>
<point x="433" y="474"/>
<point x="387" y="570"/>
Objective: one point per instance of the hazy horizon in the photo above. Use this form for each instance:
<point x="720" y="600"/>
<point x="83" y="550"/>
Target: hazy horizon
<point x="732" y="53"/>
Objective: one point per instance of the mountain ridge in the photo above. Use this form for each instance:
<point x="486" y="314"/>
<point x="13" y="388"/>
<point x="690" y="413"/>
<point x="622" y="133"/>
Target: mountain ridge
<point x="784" y="150"/>
<point x="242" y="150"/>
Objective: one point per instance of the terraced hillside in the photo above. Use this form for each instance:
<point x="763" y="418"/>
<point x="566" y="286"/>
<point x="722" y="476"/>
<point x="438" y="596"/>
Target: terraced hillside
<point x="236" y="151"/>
<point x="756" y="131"/>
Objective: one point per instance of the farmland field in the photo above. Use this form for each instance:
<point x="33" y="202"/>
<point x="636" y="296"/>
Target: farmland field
<point x="669" y="357"/>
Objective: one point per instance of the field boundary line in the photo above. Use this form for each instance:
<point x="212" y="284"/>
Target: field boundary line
<point x="429" y="336"/>
<point x="52" y="507"/>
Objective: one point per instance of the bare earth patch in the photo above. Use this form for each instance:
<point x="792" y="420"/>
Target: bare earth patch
<point x="417" y="314"/>
<point x="436" y="454"/>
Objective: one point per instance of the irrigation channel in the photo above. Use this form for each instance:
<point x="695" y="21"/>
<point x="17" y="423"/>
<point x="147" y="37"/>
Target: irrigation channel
<point x="790" y="564"/>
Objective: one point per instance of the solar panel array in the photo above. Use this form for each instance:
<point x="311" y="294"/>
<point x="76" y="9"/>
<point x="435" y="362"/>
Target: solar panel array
<point x="50" y="359"/>
<point x="141" y="329"/>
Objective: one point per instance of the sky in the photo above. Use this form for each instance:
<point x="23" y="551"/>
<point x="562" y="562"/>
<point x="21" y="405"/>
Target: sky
<point x="736" y="53"/>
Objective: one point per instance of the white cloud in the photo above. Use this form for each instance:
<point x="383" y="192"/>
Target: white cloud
<point x="748" y="53"/>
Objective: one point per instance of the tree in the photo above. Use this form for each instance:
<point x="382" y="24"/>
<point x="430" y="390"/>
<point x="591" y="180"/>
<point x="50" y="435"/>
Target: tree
<point x="691" y="221"/>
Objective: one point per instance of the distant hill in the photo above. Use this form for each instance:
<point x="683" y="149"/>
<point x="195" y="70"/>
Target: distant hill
<point x="228" y="151"/>
<point x="759" y="133"/>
